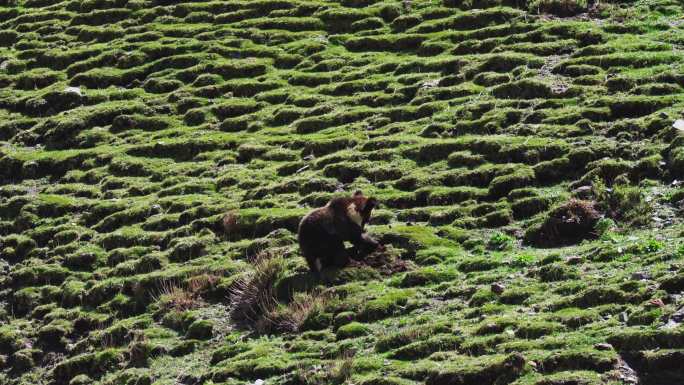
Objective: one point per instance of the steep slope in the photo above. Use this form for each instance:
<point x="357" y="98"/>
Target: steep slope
<point x="157" y="155"/>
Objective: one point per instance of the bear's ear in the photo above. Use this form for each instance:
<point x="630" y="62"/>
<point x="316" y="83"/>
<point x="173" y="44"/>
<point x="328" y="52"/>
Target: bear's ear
<point x="357" y="193"/>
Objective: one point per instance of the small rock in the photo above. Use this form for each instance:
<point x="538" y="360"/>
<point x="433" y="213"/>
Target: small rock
<point x="641" y="276"/>
<point x="582" y="192"/>
<point x="430" y="83"/>
<point x="623" y="317"/>
<point x="671" y="324"/>
<point x="625" y="373"/>
<point x="574" y="260"/>
<point x="74" y="90"/>
<point x="498" y="288"/>
<point x="678" y="316"/>
<point x="603" y="346"/>
<point x="678" y="124"/>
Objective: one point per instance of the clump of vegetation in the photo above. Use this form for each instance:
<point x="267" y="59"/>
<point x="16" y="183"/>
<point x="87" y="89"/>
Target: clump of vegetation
<point x="604" y="228"/>
<point x="523" y="260"/>
<point x="500" y="242"/>
<point x="300" y="312"/>
<point x="568" y="223"/>
<point x="175" y="297"/>
<point x="624" y="203"/>
<point x="561" y="8"/>
<point x="157" y="156"/>
<point x="252" y="297"/>
<point x="254" y="303"/>
<point x="335" y="372"/>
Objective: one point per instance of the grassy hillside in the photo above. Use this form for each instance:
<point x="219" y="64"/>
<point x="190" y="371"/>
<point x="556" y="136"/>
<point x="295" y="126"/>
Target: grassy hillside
<point x="157" y="155"/>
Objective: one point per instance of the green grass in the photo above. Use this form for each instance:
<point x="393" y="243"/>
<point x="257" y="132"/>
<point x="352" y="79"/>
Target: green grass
<point x="129" y="129"/>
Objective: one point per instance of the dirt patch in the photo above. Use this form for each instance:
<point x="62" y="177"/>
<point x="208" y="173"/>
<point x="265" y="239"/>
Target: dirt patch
<point x="384" y="262"/>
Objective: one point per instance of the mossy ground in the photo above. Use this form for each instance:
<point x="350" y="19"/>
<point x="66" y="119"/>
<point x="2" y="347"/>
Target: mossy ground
<point x="130" y="128"/>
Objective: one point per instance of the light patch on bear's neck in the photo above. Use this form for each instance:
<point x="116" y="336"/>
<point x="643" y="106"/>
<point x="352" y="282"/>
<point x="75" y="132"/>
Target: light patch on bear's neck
<point x="354" y="215"/>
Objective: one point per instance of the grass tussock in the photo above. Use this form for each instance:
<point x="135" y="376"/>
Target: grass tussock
<point x="293" y="316"/>
<point x="254" y="304"/>
<point x="624" y="203"/>
<point x="252" y="297"/>
<point x="174" y="296"/>
<point x="568" y="223"/>
<point x="335" y="373"/>
<point x="187" y="295"/>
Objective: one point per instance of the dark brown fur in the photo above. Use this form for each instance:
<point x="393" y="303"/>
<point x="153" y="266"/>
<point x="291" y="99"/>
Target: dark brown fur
<point x="323" y="231"/>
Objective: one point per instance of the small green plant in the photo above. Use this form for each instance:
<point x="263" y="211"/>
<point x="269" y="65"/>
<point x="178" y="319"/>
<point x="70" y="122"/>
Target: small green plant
<point x="523" y="260"/>
<point x="500" y="242"/>
<point x="650" y="246"/>
<point x="680" y="250"/>
<point x="599" y="190"/>
<point x="604" y="228"/>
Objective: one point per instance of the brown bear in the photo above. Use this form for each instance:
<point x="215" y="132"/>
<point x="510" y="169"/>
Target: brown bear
<point x="323" y="231"/>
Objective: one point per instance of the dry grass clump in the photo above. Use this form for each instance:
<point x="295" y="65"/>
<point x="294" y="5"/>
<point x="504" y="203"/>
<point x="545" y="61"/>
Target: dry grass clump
<point x="173" y="296"/>
<point x="139" y="350"/>
<point x="252" y="296"/>
<point x="253" y="302"/>
<point x="292" y="317"/>
<point x="202" y="282"/>
<point x="334" y="373"/>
